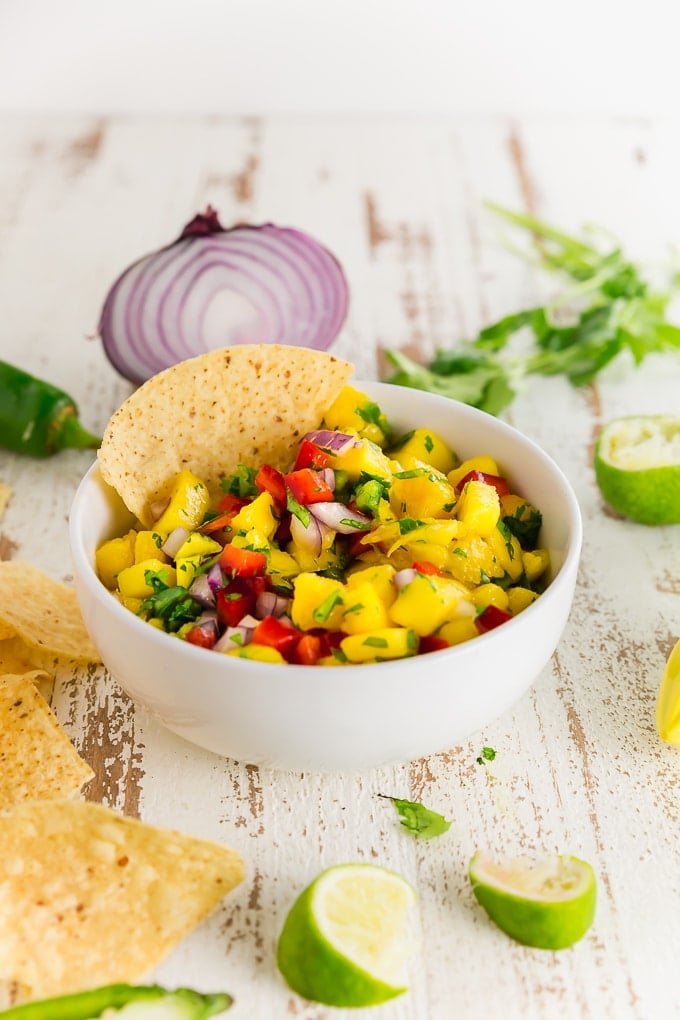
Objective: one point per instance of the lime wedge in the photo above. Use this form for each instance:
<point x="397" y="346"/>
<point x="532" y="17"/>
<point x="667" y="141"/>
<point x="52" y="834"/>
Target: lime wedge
<point x="345" y="939"/>
<point x="548" y="904"/>
<point x="637" y="467"/>
<point x="668" y="702"/>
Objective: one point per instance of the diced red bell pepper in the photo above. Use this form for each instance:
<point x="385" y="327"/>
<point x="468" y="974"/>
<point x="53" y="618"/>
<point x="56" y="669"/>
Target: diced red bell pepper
<point x="311" y="456"/>
<point x="231" y="504"/>
<point x="423" y="567"/>
<point x="268" y="479"/>
<point x="432" y="643"/>
<point x="308" y="650"/>
<point x="490" y="617"/>
<point x="203" y="637"/>
<point x="276" y="634"/>
<point x="238" y="562"/>
<point x="234" y="602"/>
<point x="217" y="523"/>
<point x="500" y="484"/>
<point x="308" y="486"/>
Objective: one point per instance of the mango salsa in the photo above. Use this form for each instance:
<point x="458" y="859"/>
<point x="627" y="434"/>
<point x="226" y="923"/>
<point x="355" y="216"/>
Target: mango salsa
<point x="369" y="546"/>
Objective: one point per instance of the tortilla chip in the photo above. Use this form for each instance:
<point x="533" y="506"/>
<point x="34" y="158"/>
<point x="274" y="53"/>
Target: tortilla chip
<point x="91" y="897"/>
<point x="41" y="618"/>
<point x="37" y="759"/>
<point x="248" y="404"/>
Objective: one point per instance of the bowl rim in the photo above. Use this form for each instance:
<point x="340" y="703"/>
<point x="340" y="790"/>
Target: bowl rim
<point x="572" y="551"/>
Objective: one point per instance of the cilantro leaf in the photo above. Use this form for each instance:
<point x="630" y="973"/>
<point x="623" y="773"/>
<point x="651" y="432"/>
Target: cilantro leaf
<point x="418" y="819"/>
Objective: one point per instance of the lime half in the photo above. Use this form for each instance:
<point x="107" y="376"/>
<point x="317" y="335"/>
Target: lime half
<point x="668" y="702"/>
<point x="345" y="939"/>
<point x="637" y="467"/>
<point x="549" y="903"/>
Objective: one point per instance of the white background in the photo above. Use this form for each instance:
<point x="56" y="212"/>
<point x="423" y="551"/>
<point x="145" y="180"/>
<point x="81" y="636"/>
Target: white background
<point x="379" y="56"/>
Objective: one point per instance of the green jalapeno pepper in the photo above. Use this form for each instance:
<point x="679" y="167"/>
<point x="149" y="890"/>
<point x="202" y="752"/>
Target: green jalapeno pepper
<point x="182" y="1004"/>
<point x="38" y="419"/>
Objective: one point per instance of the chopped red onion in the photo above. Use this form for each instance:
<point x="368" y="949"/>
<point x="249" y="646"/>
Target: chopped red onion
<point x="175" y="541"/>
<point x="328" y="475"/>
<point x="268" y="603"/>
<point x="200" y="590"/>
<point x="340" y="518"/>
<point x="336" y="442"/>
<point x="404" y="577"/>
<point x="213" y="287"/>
<point x="233" y="637"/>
<point x="309" y="537"/>
<point x="215" y="577"/>
<point x="248" y="621"/>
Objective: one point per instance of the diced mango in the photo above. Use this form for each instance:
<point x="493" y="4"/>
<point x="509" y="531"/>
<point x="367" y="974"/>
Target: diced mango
<point x="186" y="569"/>
<point x="535" y="563"/>
<point x="380" y="575"/>
<point x="422" y="492"/>
<point x="425" y="445"/>
<point x="364" y="457"/>
<point x="281" y="564"/>
<point x="258" y="653"/>
<point x="425" y="603"/>
<point x="197" y="544"/>
<point x="481" y="463"/>
<point x="385" y="643"/>
<point x="479" y="508"/>
<point x="189" y="501"/>
<point x="257" y="516"/>
<point x="507" y="550"/>
<point x="148" y="546"/>
<point x="489" y="595"/>
<point x="134" y="605"/>
<point x="317" y="602"/>
<point x="473" y="561"/>
<point x="519" y="598"/>
<point x="364" y="610"/>
<point x="457" y="631"/>
<point x="113" y="556"/>
<point x="353" y="411"/>
<point x="306" y="561"/>
<point x="132" y="582"/>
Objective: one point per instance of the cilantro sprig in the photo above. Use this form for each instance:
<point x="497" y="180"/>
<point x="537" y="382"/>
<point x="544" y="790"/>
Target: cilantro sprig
<point x="170" y="603"/>
<point x="418" y="819"/>
<point x="605" y="309"/>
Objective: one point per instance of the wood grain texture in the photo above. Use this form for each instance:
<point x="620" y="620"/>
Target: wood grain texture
<point x="579" y="767"/>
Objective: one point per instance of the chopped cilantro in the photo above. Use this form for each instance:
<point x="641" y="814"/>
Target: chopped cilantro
<point x="415" y="473"/>
<point x="428" y="442"/>
<point x="323" y="611"/>
<point x="407" y="524"/>
<point x="301" y="512"/>
<point x="375" y="642"/>
<point x="488" y="754"/>
<point x="173" y="605"/>
<point x="241" y="483"/>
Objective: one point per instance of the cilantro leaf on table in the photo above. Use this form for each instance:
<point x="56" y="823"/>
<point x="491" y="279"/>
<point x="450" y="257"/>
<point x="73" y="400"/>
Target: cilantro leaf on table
<point x="418" y="819"/>
<point x="606" y="308"/>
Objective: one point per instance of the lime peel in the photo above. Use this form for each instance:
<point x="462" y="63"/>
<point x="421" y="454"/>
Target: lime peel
<point x="345" y="939"/>
<point x="637" y="467"/>
<point x="547" y="904"/>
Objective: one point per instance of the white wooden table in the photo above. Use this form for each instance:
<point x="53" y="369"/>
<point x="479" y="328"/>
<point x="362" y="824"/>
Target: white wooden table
<point x="579" y="767"/>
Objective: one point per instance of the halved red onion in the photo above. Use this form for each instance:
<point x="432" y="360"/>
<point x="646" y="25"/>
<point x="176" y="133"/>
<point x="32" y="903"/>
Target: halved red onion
<point x="340" y="518"/>
<point x="268" y="603"/>
<point x="214" y="287"/>
<point x="309" y="537"/>
<point x="336" y="442"/>
<point x="175" y="541"/>
<point x="200" y="590"/>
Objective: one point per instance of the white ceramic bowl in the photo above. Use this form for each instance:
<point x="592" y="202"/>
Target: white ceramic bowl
<point x="355" y="717"/>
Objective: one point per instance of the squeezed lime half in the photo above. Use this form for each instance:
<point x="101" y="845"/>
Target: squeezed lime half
<point x="637" y="467"/>
<point x="548" y="903"/>
<point x="345" y="941"/>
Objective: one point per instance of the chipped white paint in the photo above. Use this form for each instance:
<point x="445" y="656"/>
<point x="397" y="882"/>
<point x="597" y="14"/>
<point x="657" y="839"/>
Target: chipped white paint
<point x="579" y="767"/>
